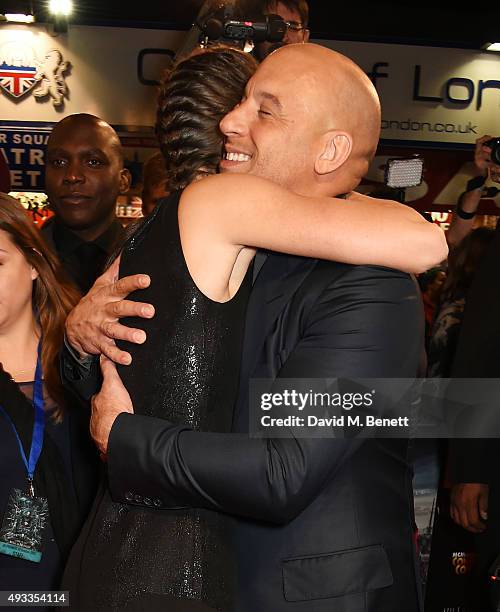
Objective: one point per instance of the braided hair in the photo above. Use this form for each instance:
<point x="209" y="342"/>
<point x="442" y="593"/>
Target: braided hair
<point x="194" y="96"/>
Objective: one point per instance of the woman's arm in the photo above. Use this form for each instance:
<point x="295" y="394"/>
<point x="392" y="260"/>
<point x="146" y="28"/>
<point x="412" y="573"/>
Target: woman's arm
<point x="245" y="210"/>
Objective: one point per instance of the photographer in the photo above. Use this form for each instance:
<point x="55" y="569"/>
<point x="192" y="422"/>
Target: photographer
<point x="468" y="202"/>
<point x="296" y="15"/>
<point x="256" y="26"/>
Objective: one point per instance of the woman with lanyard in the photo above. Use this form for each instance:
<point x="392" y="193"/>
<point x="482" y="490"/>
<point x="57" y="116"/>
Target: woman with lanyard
<point x="46" y="463"/>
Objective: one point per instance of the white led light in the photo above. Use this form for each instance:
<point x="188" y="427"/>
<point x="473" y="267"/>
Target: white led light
<point x="61" y="7"/>
<point x="401" y="173"/>
<point x="19" y="18"/>
<point x="493" y="46"/>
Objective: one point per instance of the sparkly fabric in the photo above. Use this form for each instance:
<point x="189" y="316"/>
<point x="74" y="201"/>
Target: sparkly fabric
<point x="186" y="372"/>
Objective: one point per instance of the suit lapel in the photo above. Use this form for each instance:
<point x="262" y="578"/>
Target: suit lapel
<point x="280" y="277"/>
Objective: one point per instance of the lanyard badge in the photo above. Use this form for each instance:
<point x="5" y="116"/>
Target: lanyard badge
<point x="21" y="532"/>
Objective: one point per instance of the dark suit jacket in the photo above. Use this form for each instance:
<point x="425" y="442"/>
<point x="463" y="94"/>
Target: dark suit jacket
<point x="84" y="459"/>
<point x="478" y="356"/>
<point x="82" y="261"/>
<point x="324" y="524"/>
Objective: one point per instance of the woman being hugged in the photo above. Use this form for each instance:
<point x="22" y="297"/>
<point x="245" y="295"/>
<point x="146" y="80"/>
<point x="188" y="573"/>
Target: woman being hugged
<point x="42" y="482"/>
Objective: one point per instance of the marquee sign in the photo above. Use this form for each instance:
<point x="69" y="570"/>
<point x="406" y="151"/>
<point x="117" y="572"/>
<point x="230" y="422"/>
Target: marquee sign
<point x="429" y="97"/>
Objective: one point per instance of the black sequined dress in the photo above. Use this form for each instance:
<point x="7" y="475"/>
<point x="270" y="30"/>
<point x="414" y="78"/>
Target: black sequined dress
<point x="134" y="558"/>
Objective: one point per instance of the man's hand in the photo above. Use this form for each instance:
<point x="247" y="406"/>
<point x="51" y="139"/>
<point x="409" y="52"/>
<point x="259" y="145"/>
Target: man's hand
<point x="112" y="400"/>
<point x="482" y="155"/>
<point x="469" y="506"/>
<point x="92" y="326"/>
<point x="482" y="160"/>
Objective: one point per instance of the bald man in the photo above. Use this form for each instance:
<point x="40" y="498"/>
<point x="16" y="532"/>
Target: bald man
<point x="322" y="525"/>
<point x="84" y="176"/>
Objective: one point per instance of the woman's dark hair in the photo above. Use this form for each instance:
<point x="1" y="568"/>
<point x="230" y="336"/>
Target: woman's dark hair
<point x="464" y="260"/>
<point x="194" y="96"/>
<point x="53" y="294"/>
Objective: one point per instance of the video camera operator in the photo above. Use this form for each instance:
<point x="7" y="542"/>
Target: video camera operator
<point x="257" y="26"/>
<point x="295" y="13"/>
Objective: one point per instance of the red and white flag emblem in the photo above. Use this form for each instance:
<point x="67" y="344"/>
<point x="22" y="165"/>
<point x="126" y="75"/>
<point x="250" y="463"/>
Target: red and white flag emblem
<point x="17" y="80"/>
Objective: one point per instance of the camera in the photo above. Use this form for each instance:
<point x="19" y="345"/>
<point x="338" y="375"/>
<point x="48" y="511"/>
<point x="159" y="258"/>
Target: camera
<point x="494" y="144"/>
<point x="226" y="24"/>
<point x="237" y="23"/>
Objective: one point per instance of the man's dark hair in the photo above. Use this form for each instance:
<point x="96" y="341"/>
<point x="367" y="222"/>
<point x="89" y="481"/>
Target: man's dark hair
<point x="464" y="261"/>
<point x="194" y="97"/>
<point x="299" y="6"/>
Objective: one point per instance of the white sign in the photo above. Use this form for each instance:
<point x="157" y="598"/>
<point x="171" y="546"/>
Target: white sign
<point x="431" y="93"/>
<point x="428" y="94"/>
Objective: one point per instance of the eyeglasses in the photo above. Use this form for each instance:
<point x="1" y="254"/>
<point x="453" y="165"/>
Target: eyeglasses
<point x="296" y="26"/>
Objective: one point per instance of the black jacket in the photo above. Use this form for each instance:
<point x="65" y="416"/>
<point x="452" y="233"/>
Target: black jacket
<point x="82" y="261"/>
<point x="323" y="525"/>
<point x="475" y="460"/>
<point x="478" y="356"/>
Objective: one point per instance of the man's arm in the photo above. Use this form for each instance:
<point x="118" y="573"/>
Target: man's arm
<point x="471" y="465"/>
<point x="357" y="328"/>
<point x="80" y="375"/>
<point x="469" y="200"/>
<point x="93" y="326"/>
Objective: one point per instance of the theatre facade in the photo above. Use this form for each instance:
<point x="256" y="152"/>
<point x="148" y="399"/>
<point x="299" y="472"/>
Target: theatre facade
<point x="435" y="102"/>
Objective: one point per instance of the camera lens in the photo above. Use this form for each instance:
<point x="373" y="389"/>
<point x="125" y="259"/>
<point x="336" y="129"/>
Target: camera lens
<point x="494" y="144"/>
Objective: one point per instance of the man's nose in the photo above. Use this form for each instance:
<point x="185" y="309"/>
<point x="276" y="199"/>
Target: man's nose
<point x="74" y="173"/>
<point x="235" y="122"/>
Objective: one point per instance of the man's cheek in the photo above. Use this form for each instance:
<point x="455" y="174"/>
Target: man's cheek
<point x="50" y="181"/>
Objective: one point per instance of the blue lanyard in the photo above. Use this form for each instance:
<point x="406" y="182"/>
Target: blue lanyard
<point x="38" y="425"/>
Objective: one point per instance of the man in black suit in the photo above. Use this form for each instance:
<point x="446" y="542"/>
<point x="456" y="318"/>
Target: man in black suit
<point x="323" y="524"/>
<point x="83" y="178"/>
<point x="475" y="494"/>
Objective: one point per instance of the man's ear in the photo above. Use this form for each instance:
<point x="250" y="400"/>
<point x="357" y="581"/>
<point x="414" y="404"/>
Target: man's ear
<point x="335" y="151"/>
<point x="125" y="180"/>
